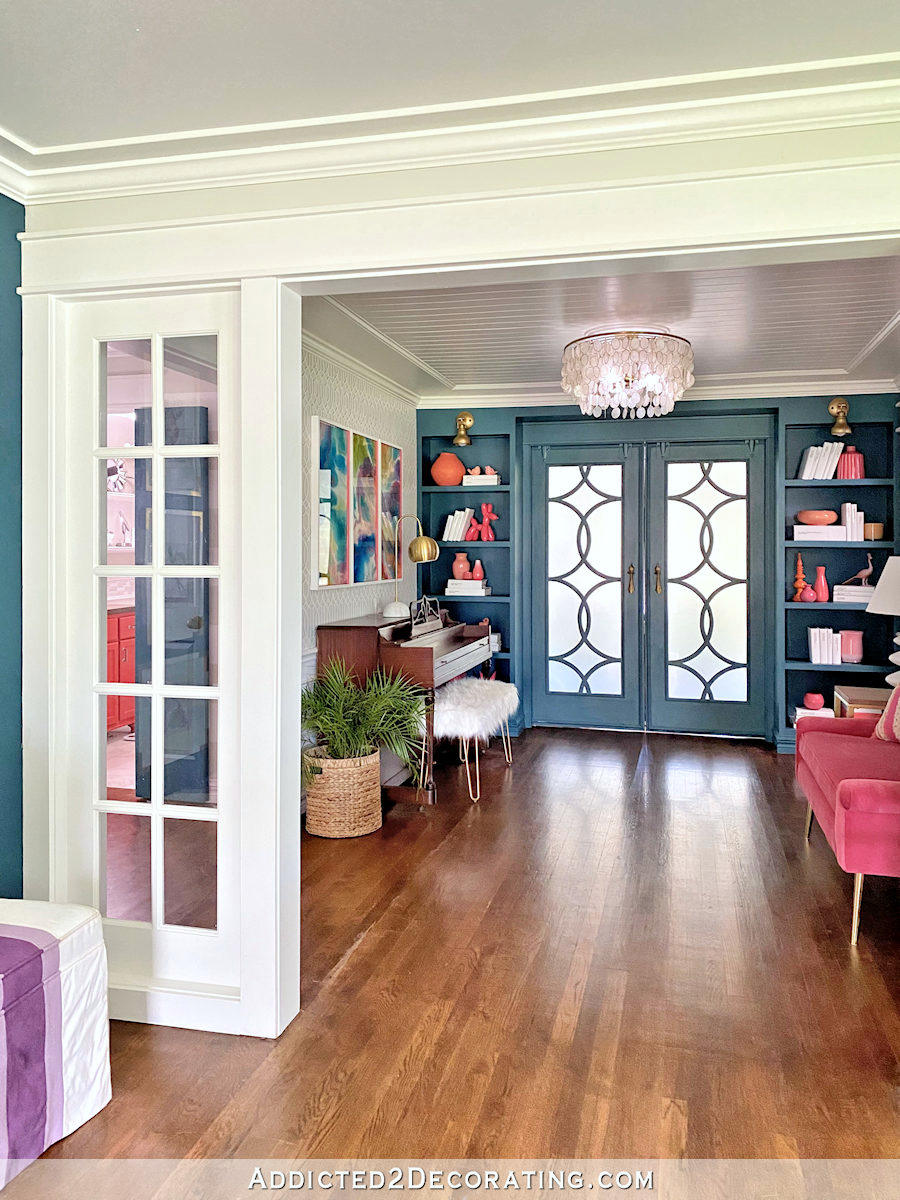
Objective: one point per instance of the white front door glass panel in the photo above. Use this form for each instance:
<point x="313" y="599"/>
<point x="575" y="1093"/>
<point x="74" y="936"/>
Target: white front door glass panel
<point x="151" y="676"/>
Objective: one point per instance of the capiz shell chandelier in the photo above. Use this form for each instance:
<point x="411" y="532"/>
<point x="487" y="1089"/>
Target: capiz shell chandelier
<point x="626" y="373"/>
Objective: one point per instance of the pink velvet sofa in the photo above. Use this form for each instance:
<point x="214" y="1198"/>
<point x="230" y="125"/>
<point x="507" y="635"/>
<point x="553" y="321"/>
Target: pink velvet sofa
<point x="851" y="781"/>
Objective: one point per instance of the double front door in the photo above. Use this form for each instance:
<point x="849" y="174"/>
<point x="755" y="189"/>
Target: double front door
<point x="648" y="578"/>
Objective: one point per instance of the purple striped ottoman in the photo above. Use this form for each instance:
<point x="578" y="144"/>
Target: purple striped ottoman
<point x="54" y="1027"/>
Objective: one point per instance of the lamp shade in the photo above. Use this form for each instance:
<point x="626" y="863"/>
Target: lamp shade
<point x="886" y="597"/>
<point x="423" y="549"/>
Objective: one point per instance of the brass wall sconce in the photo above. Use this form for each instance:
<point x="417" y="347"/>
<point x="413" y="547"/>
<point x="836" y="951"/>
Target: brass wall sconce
<point x="464" y="422"/>
<point x="839" y="408"/>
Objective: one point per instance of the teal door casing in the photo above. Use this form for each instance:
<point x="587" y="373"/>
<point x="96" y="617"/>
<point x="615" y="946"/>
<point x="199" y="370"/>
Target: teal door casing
<point x="685" y="650"/>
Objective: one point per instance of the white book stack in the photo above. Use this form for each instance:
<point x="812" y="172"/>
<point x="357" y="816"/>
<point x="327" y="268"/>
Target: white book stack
<point x="456" y="525"/>
<point x="466" y="587"/>
<point x="480" y="480"/>
<point x="496" y="643"/>
<point x="824" y="646"/>
<point x="852" y="520"/>
<point x="851" y="593"/>
<point x="820" y="462"/>
<point x="800" y="711"/>
<point x="820" y="533"/>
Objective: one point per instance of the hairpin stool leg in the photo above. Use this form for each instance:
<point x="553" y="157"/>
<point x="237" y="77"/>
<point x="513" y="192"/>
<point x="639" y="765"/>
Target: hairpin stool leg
<point x="507" y="743"/>
<point x="476" y="793"/>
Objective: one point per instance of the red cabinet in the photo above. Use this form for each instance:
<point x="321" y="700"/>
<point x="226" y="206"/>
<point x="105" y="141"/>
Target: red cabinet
<point x="120" y="667"/>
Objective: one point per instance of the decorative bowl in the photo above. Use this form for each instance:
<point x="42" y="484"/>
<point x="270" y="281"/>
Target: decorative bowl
<point x="816" y="516"/>
<point x="814" y="700"/>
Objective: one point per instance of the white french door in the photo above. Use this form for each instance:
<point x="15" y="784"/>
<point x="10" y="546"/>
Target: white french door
<point x="149" y="670"/>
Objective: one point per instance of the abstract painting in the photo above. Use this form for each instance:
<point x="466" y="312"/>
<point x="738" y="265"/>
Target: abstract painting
<point x="365" y="509"/>
<point x="390" y="482"/>
<point x="334" y="505"/>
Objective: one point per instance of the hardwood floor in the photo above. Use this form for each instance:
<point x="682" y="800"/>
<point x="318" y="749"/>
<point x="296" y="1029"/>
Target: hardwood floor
<point x="626" y="949"/>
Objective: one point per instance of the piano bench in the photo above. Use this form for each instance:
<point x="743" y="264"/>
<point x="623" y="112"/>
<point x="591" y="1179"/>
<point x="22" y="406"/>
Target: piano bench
<point x="474" y="710"/>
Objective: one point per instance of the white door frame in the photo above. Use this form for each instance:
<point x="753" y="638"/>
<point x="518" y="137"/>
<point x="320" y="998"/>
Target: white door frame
<point x="266" y="998"/>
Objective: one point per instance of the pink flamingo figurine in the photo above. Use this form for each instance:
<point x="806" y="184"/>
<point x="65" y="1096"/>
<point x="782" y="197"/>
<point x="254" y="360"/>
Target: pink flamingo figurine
<point x="863" y="575"/>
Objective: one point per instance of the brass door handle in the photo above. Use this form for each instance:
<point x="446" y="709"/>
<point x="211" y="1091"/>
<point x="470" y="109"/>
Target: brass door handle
<point x="631" y="579"/>
<point x="658" y="584"/>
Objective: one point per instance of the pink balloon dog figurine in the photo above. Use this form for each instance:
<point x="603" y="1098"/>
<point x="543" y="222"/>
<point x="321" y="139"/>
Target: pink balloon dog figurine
<point x="487" y="515"/>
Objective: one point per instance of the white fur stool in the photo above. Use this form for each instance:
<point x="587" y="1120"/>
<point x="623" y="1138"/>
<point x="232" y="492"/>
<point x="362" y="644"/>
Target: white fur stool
<point x="474" y="710"/>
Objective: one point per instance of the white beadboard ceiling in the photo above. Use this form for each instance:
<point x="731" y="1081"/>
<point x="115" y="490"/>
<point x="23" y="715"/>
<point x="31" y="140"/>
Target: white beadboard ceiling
<point x="793" y="328"/>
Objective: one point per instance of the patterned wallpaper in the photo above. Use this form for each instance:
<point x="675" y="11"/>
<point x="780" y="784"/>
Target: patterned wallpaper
<point x="337" y="394"/>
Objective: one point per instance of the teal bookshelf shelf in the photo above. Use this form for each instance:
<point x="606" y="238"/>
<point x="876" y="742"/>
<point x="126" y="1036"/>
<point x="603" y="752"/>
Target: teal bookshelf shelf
<point x="872" y="668"/>
<point x="825" y="605"/>
<point x="459" y="491"/>
<point x="839" y="546"/>
<point x="838" y="483"/>
<point x="473" y="599"/>
<point x="472" y="545"/>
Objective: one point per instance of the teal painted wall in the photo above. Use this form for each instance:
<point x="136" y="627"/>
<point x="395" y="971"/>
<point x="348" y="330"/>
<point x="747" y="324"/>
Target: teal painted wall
<point x="12" y="221"/>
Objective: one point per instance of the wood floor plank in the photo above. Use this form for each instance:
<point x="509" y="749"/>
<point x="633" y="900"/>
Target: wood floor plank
<point x="626" y="949"/>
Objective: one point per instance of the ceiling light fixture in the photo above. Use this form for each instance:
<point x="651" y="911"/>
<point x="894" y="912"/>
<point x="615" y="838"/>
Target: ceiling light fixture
<point x="627" y="373"/>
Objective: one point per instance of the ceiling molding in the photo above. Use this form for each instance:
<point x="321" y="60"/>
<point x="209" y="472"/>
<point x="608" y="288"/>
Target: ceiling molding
<point x="832" y="94"/>
<point x="740" y="388"/>
<point x="315" y="345"/>
<point x="885" y="332"/>
<point x="389" y="342"/>
<point x="13" y="181"/>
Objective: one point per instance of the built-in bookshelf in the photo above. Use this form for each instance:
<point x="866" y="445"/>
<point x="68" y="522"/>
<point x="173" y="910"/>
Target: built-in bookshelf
<point x="876" y="495"/>
<point x="435" y="505"/>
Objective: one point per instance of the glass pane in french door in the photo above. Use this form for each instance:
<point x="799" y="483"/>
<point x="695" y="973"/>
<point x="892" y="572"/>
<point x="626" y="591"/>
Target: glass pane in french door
<point x="584" y="579"/>
<point x="707" y="561"/>
<point x="157" y="613"/>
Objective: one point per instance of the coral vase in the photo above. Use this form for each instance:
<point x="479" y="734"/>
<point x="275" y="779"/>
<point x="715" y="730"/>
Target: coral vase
<point x="460" y="567"/>
<point x="820" y="587"/>
<point x="478" y="570"/>
<point x="447" y="470"/>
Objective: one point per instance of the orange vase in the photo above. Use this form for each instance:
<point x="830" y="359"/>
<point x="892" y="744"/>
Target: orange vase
<point x="447" y="470"/>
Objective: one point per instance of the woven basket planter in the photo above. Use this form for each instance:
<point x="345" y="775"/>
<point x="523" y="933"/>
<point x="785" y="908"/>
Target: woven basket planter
<point x="344" y="800"/>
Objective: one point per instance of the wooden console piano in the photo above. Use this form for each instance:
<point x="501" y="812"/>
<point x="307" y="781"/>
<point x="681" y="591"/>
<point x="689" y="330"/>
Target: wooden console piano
<point x="429" y="651"/>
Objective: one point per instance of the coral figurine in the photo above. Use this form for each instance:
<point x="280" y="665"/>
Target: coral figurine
<point x="799" y="579"/>
<point x="478" y="570"/>
<point x="482" y="529"/>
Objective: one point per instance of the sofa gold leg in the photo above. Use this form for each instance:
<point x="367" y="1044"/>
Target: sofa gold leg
<point x="809" y="817"/>
<point x="857" y="897"/>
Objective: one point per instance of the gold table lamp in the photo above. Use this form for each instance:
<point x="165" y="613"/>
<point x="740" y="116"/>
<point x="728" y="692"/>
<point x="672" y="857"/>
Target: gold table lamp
<point x="422" y="549"/>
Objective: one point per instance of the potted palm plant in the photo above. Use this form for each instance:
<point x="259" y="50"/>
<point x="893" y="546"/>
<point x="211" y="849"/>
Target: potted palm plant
<point x="349" y="723"/>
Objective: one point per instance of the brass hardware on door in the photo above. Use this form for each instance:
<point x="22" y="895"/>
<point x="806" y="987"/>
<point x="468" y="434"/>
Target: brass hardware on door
<point x="631" y="579"/>
<point x="658" y="584"/>
<point x="195" y="623"/>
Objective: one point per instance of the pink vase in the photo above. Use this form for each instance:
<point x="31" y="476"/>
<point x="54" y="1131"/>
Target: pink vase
<point x="851" y="464"/>
<point x="478" y="570"/>
<point x="851" y="645"/>
<point x="460" y="567"/>
<point x="814" y="700"/>
<point x="820" y="587"/>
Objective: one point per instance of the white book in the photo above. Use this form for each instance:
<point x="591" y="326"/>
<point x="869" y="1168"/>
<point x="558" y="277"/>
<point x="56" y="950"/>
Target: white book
<point x="460" y="525"/>
<point x="467" y="514"/>
<point x="450" y="528"/>
<point x="813" y="635"/>
<point x="851" y="593"/>
<point x="831" y="462"/>
<point x="466" y="587"/>
<point x="815" y="462"/>
<point x="480" y="480"/>
<point x="448" y="525"/>
<point x="803" y="471"/>
<point x="836" y="647"/>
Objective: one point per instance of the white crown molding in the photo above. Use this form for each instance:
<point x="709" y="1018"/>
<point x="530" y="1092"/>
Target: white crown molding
<point x="13" y="181"/>
<point x="389" y="342"/>
<point x="723" y="105"/>
<point x="740" y="387"/>
<point x="885" y="332"/>
<point x="340" y="358"/>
